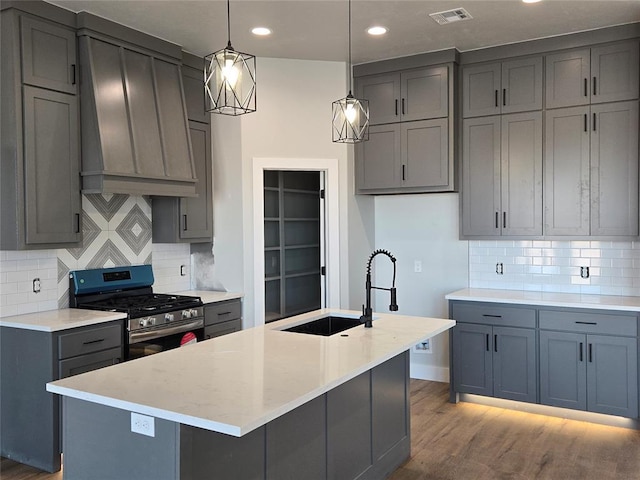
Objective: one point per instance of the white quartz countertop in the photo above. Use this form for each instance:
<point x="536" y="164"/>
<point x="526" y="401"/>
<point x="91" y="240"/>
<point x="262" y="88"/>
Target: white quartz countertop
<point x="238" y="382"/>
<point x="63" y="319"/>
<point x="605" y="302"/>
<point x="210" y="296"/>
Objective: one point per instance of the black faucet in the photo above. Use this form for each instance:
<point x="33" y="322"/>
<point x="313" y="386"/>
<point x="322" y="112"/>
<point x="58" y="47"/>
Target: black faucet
<point x="367" y="312"/>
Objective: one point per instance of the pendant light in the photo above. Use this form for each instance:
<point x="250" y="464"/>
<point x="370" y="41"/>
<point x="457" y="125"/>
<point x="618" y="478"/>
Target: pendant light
<point x="350" y="115"/>
<point x="230" y="79"/>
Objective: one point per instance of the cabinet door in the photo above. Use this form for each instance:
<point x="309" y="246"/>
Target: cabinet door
<point x="472" y="358"/>
<point x="88" y="363"/>
<point x="425" y="93"/>
<point x="196" y="216"/>
<point x="383" y="93"/>
<point x="172" y="112"/>
<point x="425" y="153"/>
<point x="514" y="364"/>
<point x="563" y="372"/>
<point x="566" y="172"/>
<point x="378" y="159"/>
<point x="612" y="375"/>
<point x="52" y="167"/>
<point x="48" y="55"/>
<point x="521" y="174"/>
<point x="614" y="169"/>
<point x="481" y="90"/>
<point x="614" y="70"/>
<point x="220" y="329"/>
<point x="567" y="79"/>
<point x="193" y="82"/>
<point x="481" y="176"/>
<point x="522" y="85"/>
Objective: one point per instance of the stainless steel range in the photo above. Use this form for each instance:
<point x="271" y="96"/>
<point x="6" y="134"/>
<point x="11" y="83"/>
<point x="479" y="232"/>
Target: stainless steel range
<point x="156" y="322"/>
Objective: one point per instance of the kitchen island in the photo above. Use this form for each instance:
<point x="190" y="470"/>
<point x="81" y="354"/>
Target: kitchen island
<point x="260" y="403"/>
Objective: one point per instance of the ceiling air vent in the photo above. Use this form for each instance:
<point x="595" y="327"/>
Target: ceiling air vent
<point x="450" y="16"/>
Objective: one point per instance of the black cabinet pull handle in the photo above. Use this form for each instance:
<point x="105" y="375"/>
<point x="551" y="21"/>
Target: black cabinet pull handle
<point x="223" y="313"/>
<point x="73" y="74"/>
<point x="77" y="223"/>
<point x="586" y="87"/>
<point x="581" y="345"/>
<point x="396" y="106"/>
<point x="594" y="86"/>
<point x="496" y="99"/>
<point x="487" y="339"/>
<point x="90" y="342"/>
<point x="504" y="219"/>
<point x="594" y="122"/>
<point x="586" y="323"/>
<point x="403" y="176"/>
<point x="591" y="353"/>
<point x="491" y="316"/>
<point x="403" y="106"/>
<point x="184" y="222"/>
<point x="585" y="122"/>
<point x="497" y="226"/>
<point x="504" y="96"/>
<point x="495" y="343"/>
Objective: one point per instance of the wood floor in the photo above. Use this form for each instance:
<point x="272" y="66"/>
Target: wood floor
<point x="475" y="442"/>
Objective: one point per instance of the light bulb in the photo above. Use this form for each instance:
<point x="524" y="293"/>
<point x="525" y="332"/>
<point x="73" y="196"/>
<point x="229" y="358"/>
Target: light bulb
<point x="230" y="73"/>
<point x="351" y="113"/>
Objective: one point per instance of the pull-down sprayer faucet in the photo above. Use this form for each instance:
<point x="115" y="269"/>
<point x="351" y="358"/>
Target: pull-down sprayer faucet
<point x="367" y="312"/>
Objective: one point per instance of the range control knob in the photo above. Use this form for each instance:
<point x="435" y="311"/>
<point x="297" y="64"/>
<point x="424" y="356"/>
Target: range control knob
<point x="186" y="314"/>
<point x="168" y="317"/>
<point x="194" y="312"/>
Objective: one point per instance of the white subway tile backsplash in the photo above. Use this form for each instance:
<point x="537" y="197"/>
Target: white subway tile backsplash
<point x="554" y="266"/>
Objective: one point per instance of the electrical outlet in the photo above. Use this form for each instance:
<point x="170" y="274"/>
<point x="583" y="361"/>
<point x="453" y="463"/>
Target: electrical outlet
<point x="417" y="266"/>
<point x="423" y="347"/>
<point x="183" y="270"/>
<point x="143" y="424"/>
<point x="36" y="285"/>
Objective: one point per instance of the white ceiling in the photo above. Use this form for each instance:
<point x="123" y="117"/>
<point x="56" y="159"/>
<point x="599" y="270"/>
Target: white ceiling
<point x="317" y="30"/>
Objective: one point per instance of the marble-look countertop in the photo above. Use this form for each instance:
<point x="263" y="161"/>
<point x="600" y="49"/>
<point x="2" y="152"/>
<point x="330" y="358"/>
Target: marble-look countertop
<point x="63" y="319"/>
<point x="520" y="297"/>
<point x="210" y="296"/>
<point x="238" y="382"/>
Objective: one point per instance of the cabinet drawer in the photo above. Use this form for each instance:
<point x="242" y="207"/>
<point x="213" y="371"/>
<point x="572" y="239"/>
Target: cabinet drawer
<point x="222" y="312"/>
<point x="491" y="314"/>
<point x="89" y="340"/>
<point x="222" y="328"/>
<point x="589" y="322"/>
<point x="87" y="363"/>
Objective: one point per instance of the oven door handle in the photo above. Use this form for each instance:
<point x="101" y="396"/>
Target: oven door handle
<point x="136" y="337"/>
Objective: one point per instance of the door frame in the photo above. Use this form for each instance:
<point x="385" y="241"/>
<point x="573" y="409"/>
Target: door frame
<point x="330" y="167"/>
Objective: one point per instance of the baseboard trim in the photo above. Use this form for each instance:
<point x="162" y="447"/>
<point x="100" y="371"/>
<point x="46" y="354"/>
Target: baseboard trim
<point x="429" y="372"/>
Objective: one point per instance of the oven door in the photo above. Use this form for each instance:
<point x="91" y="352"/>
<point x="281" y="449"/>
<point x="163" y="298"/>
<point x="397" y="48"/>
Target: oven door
<point x="148" y="341"/>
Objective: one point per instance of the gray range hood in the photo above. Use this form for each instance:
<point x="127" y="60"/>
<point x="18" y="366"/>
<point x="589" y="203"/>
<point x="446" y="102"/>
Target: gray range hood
<point x="135" y="132"/>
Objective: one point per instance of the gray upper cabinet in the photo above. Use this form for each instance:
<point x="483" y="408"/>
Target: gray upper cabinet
<point x="502" y="175"/>
<point x="378" y="162"/>
<point x="601" y="74"/>
<point x="48" y="55"/>
<point x="41" y="202"/>
<point x="506" y="87"/>
<point x="405" y="96"/>
<point x="585" y="195"/>
<point x="193" y="83"/>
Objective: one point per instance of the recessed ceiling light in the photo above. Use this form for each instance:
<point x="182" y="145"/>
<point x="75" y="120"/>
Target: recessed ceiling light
<point x="530" y="1"/>
<point x="262" y="31"/>
<point x="377" y="30"/>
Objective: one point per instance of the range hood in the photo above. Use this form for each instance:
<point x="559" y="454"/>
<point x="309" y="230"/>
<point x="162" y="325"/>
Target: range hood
<point x="135" y="132"/>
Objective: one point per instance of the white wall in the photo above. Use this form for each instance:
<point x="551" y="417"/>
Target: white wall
<point x="422" y="228"/>
<point x="293" y="120"/>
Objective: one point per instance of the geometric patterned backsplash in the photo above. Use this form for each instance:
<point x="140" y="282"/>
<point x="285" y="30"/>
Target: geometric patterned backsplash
<point x="116" y="232"/>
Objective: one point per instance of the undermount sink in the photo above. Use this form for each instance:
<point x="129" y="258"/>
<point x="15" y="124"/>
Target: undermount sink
<point x="325" y="326"/>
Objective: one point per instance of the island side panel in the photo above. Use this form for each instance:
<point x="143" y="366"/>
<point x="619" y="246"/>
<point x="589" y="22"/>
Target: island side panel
<point x="29" y="414"/>
<point x="98" y="443"/>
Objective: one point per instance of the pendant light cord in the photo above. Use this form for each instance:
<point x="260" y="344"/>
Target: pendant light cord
<point x="229" y="25"/>
<point x="350" y="80"/>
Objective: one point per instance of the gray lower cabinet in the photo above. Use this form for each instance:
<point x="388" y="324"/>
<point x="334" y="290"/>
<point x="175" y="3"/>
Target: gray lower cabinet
<point x="40" y="185"/>
<point x="222" y="318"/>
<point x="408" y="156"/>
<point x="504" y="87"/>
<point x="591" y="170"/>
<point x="28" y="360"/>
<point x="502" y="176"/>
<point x="601" y="74"/>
